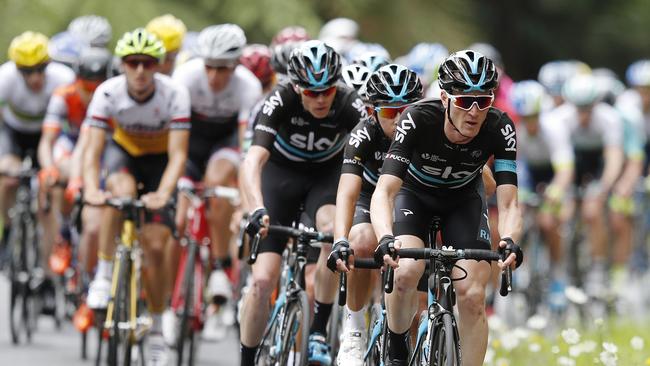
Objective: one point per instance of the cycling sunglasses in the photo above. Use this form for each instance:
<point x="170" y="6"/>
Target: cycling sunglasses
<point x="315" y="93"/>
<point x="465" y="102"/>
<point x="39" y="69"/>
<point x="389" y="112"/>
<point x="147" y="63"/>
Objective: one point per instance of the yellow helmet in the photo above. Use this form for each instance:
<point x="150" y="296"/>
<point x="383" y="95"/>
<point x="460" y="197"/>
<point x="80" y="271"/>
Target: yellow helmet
<point x="29" y="49"/>
<point x="169" y="29"/>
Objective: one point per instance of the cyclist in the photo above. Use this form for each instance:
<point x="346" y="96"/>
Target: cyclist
<point x="424" y="59"/>
<point x="372" y="60"/>
<point x="60" y="159"/>
<point x="554" y="74"/>
<point x="26" y="84"/>
<point x="389" y="90"/>
<point x="171" y="31"/>
<point x="95" y="30"/>
<point x="596" y="131"/>
<point x="289" y="35"/>
<point x="149" y="115"/>
<point x="341" y="34"/>
<point x="222" y="93"/>
<point x="299" y="139"/>
<point x="443" y="145"/>
<point x="638" y="96"/>
<point x="257" y="59"/>
<point x="546" y="157"/>
<point x="65" y="48"/>
<point x="355" y="76"/>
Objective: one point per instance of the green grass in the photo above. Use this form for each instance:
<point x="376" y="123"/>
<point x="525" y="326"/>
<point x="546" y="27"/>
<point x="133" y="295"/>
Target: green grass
<point x="531" y="348"/>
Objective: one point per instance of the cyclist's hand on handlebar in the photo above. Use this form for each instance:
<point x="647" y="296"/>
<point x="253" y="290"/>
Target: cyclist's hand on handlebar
<point x="341" y="257"/>
<point x="155" y="200"/>
<point x="385" y="252"/>
<point x="258" y="222"/>
<point x="48" y="176"/>
<point x="515" y="254"/>
<point x="96" y="197"/>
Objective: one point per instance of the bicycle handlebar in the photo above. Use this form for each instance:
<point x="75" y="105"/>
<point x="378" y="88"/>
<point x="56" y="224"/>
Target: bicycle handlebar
<point x="290" y="232"/>
<point x="359" y="263"/>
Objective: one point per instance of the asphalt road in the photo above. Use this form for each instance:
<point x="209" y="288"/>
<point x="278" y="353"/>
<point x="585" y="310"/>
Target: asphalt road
<point x="62" y="347"/>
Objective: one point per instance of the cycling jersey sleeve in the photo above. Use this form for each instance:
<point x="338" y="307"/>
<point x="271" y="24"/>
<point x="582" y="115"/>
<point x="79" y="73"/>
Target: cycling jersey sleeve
<point x="270" y="117"/>
<point x="180" y="109"/>
<point x="612" y="125"/>
<point x="100" y="111"/>
<point x="57" y="111"/>
<point x="505" y="152"/>
<point x="6" y="80"/>
<point x="404" y="144"/>
<point x="356" y="150"/>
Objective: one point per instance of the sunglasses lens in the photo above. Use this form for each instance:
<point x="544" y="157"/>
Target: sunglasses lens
<point x="466" y="102"/>
<point x="389" y="113"/>
<point x="315" y="93"/>
<point x="147" y="64"/>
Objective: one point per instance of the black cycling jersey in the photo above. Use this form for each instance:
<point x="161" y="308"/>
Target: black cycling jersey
<point x="421" y="147"/>
<point x="364" y="153"/>
<point x="296" y="138"/>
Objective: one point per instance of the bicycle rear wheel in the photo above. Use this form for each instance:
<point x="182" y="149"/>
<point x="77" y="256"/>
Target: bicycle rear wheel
<point x="444" y="349"/>
<point x="376" y="335"/>
<point x="295" y="324"/>
<point x="117" y="337"/>
<point x="186" y="333"/>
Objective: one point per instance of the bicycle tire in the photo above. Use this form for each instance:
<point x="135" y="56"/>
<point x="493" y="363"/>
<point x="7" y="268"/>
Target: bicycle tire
<point x="264" y="356"/>
<point x="443" y="347"/>
<point x="185" y="330"/>
<point x="375" y="354"/>
<point x="297" y="310"/>
<point x="334" y="326"/>
<point x="119" y="308"/>
<point x="17" y="293"/>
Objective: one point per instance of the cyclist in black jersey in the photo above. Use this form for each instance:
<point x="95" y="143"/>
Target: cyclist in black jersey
<point x="388" y="92"/>
<point x="295" y="158"/>
<point x="433" y="168"/>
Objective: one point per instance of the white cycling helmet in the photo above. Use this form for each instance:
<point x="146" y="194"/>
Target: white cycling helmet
<point x="581" y="90"/>
<point x="355" y="76"/>
<point x="554" y="74"/>
<point x="221" y="42"/>
<point x="528" y="97"/>
<point x="638" y="73"/>
<point x="94" y="29"/>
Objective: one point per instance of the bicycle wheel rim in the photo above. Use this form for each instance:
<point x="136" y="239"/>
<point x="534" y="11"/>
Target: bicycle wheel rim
<point x="443" y="347"/>
<point x="297" y="311"/>
<point x="374" y="355"/>
<point x="185" y="329"/>
<point x="120" y="303"/>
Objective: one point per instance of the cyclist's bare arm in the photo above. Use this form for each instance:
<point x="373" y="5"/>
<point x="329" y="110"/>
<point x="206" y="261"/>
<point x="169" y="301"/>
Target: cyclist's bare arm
<point x="614" y="159"/>
<point x="488" y="181"/>
<point x="346" y="198"/>
<point x="177" y="154"/>
<point x="382" y="203"/>
<point x="45" y="147"/>
<point x="96" y="140"/>
<point x="509" y="216"/>
<point x="78" y="153"/>
<point x="627" y="182"/>
<point x="562" y="177"/>
<point x="251" y="175"/>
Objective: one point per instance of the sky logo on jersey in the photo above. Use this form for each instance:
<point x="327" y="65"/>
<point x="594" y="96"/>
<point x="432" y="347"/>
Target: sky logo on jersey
<point x="271" y="102"/>
<point x="508" y="133"/>
<point x="310" y="143"/>
<point x="358" y="136"/>
<point x="405" y="125"/>
<point x="447" y="172"/>
<point x="360" y="107"/>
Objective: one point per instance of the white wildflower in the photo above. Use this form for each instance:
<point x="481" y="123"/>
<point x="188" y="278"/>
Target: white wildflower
<point x="509" y="342"/>
<point x="534" y="347"/>
<point x="637" y="343"/>
<point x="571" y="336"/>
<point x="610" y="347"/>
<point x="502" y="362"/>
<point x="599" y="322"/>
<point x="608" y="359"/>
<point x="589" y="346"/>
<point x="521" y="333"/>
<point x="576" y="350"/>
<point x="555" y="349"/>
<point x="537" y="322"/>
<point x="566" y="361"/>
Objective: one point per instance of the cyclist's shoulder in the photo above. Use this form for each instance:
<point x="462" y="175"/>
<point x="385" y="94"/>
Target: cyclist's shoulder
<point x="190" y="70"/>
<point x="246" y="78"/>
<point x="60" y="73"/>
<point x="111" y="88"/>
<point x="8" y="70"/>
<point x="425" y="112"/>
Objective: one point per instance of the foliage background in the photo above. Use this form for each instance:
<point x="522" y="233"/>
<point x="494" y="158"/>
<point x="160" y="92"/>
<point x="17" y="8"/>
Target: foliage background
<point x="527" y="32"/>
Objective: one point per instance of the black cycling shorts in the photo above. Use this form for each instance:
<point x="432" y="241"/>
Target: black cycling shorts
<point x="202" y="150"/>
<point x="463" y="215"/>
<point x="18" y="143"/>
<point x="362" y="209"/>
<point x="147" y="170"/>
<point x="285" y="189"/>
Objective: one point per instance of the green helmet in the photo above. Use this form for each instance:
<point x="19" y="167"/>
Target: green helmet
<point x="140" y="42"/>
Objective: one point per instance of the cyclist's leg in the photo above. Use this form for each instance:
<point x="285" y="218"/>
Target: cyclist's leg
<point x="154" y="238"/>
<point x="466" y="226"/>
<point x="363" y="241"/>
<point x="11" y="152"/>
<point x="593" y="214"/>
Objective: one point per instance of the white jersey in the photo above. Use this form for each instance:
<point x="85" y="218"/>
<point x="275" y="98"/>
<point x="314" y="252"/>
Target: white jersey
<point x="22" y="109"/>
<point x="605" y="129"/>
<point x="234" y="103"/>
<point x="140" y="128"/>
<point x="551" y="145"/>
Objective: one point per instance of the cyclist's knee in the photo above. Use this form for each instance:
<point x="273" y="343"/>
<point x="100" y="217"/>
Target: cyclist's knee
<point x="408" y="274"/>
<point x="263" y="284"/>
<point x="154" y="238"/>
<point x="121" y="185"/>
<point x="220" y="172"/>
<point x="325" y="218"/>
<point x="471" y="297"/>
<point x="363" y="240"/>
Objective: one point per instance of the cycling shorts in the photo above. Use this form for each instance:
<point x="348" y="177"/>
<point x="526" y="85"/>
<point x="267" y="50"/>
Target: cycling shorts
<point x="18" y="143"/>
<point x="362" y="209"/>
<point x="147" y="170"/>
<point x="285" y="190"/>
<point x="463" y="215"/>
<point x="203" y="149"/>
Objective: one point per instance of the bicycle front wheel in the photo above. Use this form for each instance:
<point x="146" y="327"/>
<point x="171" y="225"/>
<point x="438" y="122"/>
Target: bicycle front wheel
<point x="295" y="331"/>
<point x="186" y="333"/>
<point x="444" y="349"/>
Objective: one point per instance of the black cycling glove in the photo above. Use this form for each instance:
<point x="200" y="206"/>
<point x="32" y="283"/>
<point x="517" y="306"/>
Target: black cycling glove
<point x="340" y="250"/>
<point x="511" y="247"/>
<point x="255" y="221"/>
<point x="386" y="246"/>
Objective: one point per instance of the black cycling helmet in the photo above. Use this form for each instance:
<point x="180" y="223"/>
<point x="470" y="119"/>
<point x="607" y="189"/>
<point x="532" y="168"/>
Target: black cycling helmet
<point x="94" y="63"/>
<point x="280" y="54"/>
<point x="393" y="84"/>
<point x="467" y="71"/>
<point x="314" y="65"/>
